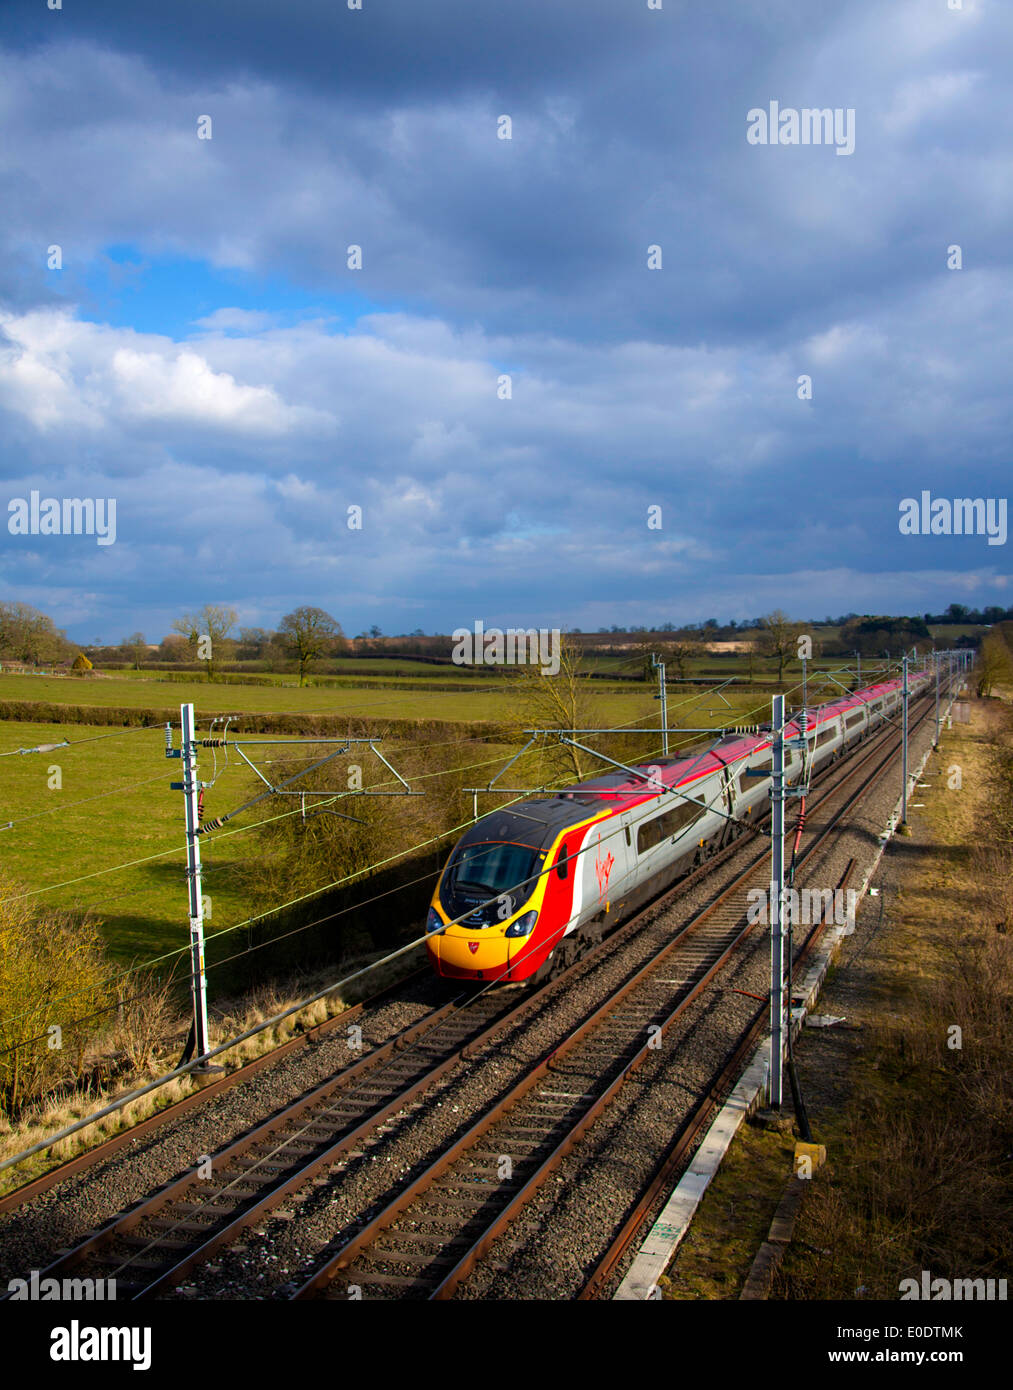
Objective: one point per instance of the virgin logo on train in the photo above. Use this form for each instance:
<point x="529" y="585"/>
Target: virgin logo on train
<point x="603" y="868"/>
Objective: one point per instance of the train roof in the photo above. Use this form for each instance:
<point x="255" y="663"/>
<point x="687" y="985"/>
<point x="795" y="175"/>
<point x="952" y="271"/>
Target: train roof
<point x="544" y="817"/>
<point x="537" y="825"/>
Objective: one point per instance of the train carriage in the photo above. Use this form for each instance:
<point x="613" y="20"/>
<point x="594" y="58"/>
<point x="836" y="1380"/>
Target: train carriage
<point x="528" y="887"/>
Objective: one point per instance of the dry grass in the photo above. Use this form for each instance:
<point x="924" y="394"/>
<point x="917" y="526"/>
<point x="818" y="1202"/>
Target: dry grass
<point x="919" y="1166"/>
<point x="732" y="1222"/>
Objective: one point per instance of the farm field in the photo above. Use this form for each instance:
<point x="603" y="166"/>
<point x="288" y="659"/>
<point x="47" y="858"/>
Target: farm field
<point x="949" y="632"/>
<point x="626" y="703"/>
<point x="113" y="806"/>
<point x="335" y="670"/>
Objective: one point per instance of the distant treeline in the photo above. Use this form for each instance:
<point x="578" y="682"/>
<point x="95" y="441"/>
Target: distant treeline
<point x="310" y="639"/>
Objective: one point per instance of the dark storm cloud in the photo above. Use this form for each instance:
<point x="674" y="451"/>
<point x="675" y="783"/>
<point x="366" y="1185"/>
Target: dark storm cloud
<point x="425" y="50"/>
<point x="632" y="387"/>
<point x="629" y="130"/>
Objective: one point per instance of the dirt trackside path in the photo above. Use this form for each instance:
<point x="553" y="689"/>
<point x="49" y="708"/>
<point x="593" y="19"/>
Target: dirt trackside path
<point x="913" y="1093"/>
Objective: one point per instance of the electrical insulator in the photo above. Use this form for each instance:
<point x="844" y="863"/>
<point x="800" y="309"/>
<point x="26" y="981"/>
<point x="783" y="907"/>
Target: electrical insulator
<point x="215" y="824"/>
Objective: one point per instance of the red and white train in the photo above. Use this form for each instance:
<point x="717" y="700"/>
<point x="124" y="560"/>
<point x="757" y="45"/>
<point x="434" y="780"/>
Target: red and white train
<point x="536" y="882"/>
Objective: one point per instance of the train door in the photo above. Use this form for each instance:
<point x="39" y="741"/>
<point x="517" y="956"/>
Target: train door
<point x="626" y="858"/>
<point x="727" y="804"/>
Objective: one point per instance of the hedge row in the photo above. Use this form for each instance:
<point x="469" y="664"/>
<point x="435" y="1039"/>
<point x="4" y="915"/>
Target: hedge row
<point x="305" y="725"/>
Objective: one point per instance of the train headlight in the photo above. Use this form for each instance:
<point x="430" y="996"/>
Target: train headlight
<point x="434" y="921"/>
<point x="524" y="925"/>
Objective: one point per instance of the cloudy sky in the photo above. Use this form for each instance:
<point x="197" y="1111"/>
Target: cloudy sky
<point x="204" y="354"/>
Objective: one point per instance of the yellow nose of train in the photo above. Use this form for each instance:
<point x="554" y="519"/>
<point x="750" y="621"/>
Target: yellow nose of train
<point x="463" y="954"/>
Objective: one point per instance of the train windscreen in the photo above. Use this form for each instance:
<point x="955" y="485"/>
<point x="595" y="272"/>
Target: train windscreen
<point x="491" y="868"/>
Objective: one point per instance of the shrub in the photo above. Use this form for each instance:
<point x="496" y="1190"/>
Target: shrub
<point x="51" y="988"/>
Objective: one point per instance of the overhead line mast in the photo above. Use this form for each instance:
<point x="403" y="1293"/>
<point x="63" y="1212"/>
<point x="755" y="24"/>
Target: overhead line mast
<point x="192" y="789"/>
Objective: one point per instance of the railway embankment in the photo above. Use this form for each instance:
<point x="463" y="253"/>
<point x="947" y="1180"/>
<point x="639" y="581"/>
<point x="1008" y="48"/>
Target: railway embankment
<point x="911" y="1090"/>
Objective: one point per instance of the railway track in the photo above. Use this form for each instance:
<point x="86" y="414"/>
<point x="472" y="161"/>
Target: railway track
<point x="432" y="1235"/>
<point x="100" y="1153"/>
<point x="156" y="1243"/>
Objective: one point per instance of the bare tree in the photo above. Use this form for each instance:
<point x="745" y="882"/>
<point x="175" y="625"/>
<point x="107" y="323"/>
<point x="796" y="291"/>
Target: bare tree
<point x="30" y="636"/>
<point x="675" y="654"/>
<point x="680" y="651"/>
<point x="207" y="634"/>
<point x="779" y="637"/>
<point x="562" y="701"/>
<point x="135" y="648"/>
<point x="309" y="633"/>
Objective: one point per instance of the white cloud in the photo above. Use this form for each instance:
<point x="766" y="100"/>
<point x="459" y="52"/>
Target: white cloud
<point x="61" y="373"/>
<point x="527" y="257"/>
<point x="183" y="388"/>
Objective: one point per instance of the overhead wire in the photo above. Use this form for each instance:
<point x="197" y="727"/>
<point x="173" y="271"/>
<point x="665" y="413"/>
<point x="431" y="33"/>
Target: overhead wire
<point x="70" y="805"/>
<point x="76" y="742"/>
<point x="246" y="923"/>
<point x="134" y="863"/>
<point x="219" y="835"/>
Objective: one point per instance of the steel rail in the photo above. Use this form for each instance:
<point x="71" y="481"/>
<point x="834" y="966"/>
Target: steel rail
<point x="673" y="1159"/>
<point x="683" y="1144"/>
<point x="148" y="1208"/>
<point x="97" y="1153"/>
<point x="232" y="1154"/>
<point x="571" y="1138"/>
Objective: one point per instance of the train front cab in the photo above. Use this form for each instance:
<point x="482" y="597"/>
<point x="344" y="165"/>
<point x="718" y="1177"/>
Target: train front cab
<point x="504" y="949"/>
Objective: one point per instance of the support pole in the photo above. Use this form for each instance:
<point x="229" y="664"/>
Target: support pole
<point x="936" y="744"/>
<point x="903" y="740"/>
<point x="776" y="905"/>
<point x="663" y="697"/>
<point x="191" y="791"/>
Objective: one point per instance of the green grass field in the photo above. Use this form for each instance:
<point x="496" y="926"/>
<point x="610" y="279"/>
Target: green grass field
<point x="949" y="632"/>
<point x="110" y="804"/>
<point x="338" y="672"/>
<point x="620" y="704"/>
